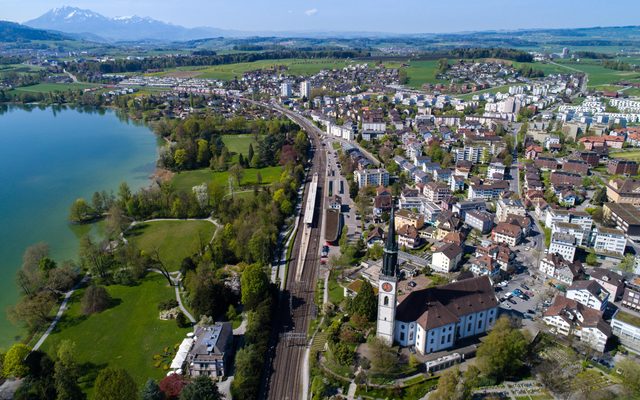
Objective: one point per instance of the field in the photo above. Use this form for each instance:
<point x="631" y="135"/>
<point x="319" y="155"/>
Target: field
<point x="239" y="144"/>
<point x="229" y="71"/>
<point x="175" y="239"/>
<point x="598" y="75"/>
<point x="127" y="335"/>
<point x="633" y="155"/>
<point x="54" y="87"/>
<point x="421" y="72"/>
<point x="188" y="179"/>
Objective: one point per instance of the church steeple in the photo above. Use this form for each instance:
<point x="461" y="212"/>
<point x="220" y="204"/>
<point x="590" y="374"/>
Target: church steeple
<point x="390" y="257"/>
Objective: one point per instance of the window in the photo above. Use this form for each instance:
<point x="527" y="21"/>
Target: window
<point x="386" y="300"/>
<point x="479" y="323"/>
<point x="442" y="339"/>
<point x="401" y="336"/>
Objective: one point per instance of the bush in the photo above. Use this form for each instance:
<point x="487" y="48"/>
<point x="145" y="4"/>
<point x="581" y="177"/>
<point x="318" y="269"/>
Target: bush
<point x="182" y="321"/>
<point x="167" y="304"/>
<point x="95" y="299"/>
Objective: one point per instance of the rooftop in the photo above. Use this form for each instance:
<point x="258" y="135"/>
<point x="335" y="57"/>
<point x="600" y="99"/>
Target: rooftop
<point x="628" y="318"/>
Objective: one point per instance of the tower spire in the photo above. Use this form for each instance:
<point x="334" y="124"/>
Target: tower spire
<point x="390" y="257"/>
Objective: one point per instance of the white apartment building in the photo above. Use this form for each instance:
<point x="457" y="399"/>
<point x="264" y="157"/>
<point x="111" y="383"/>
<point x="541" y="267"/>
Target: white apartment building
<point x="504" y="207"/>
<point x="626" y="326"/>
<point x="285" y="89"/>
<point x="371" y="177"/>
<point x="446" y="258"/>
<point x="305" y="89"/>
<point x="608" y="240"/>
<point x="563" y="244"/>
<point x="575" y="230"/>
<point x="589" y="293"/>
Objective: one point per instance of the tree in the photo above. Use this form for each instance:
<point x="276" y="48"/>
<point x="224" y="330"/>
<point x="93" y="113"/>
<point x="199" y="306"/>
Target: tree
<point x="14" y="361"/>
<point x="116" y="221"/>
<point x="201" y="388"/>
<point x="66" y="373"/>
<point x="95" y="299"/>
<point x="592" y="259"/>
<point x="384" y="358"/>
<point x="30" y="277"/>
<point x="33" y="311"/>
<point x="151" y="391"/>
<point x="254" y="284"/>
<point x="115" y="384"/>
<point x="628" y="263"/>
<point x="508" y="160"/>
<point x="452" y="385"/>
<point x="180" y="158"/>
<point x="93" y="257"/>
<point x="181" y="320"/>
<point x="365" y="303"/>
<point x="630" y="376"/>
<point x="250" y="154"/>
<point x="81" y="211"/>
<point x="172" y="385"/>
<point x="503" y="351"/>
<point x="236" y="172"/>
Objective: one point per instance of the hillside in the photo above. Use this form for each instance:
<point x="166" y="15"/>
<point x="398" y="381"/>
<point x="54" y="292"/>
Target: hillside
<point x="12" y="32"/>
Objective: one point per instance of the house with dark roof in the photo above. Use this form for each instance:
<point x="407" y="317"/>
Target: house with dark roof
<point x="446" y="258"/>
<point x="211" y="352"/>
<point x="589" y="293"/>
<point x="435" y="318"/>
<point x="610" y="280"/>
<point x="507" y="233"/>
<point x="569" y="317"/>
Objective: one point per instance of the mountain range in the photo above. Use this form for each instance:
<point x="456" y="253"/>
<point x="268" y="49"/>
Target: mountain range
<point x="93" y="26"/>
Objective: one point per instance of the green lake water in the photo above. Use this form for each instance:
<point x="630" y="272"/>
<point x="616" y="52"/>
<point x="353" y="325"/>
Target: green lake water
<point x="48" y="158"/>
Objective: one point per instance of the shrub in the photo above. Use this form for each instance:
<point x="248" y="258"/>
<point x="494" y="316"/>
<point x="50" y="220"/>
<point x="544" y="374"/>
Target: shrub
<point x="95" y="299"/>
<point x="182" y="320"/>
<point x="168" y="304"/>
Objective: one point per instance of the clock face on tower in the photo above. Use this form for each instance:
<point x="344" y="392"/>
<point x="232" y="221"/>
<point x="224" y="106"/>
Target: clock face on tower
<point x="387" y="287"/>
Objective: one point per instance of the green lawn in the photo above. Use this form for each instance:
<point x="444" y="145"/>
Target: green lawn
<point x="188" y="179"/>
<point x="239" y="144"/>
<point x="336" y="292"/>
<point x="297" y="66"/>
<point x="174" y="239"/>
<point x="598" y="75"/>
<point x="127" y="335"/>
<point x="54" y="87"/>
<point x="628" y="155"/>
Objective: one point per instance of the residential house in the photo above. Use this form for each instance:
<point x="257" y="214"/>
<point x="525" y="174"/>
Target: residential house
<point x="589" y="293"/>
<point x="619" y="166"/>
<point x="500" y="253"/>
<point x="487" y="191"/>
<point x="406" y="217"/>
<point x="446" y="258"/>
<point x="624" y="216"/>
<point x="463" y="207"/>
<point x="507" y="233"/>
<point x="569" y="317"/>
<point x="504" y="207"/>
<point x="382" y="202"/>
<point x="484" y="265"/>
<point x="631" y="298"/>
<point x="609" y="241"/>
<point x="371" y="177"/>
<point x="375" y="236"/>
<point x="610" y="280"/>
<point x="408" y="237"/>
<point x="556" y="267"/>
<point x="591" y="142"/>
<point x="590" y="157"/>
<point x="573" y="166"/>
<point x="436" y="191"/>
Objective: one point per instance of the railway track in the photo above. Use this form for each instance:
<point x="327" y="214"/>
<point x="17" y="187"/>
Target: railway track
<point x="296" y="306"/>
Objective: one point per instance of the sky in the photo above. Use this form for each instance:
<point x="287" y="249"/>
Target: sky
<point x="400" y="16"/>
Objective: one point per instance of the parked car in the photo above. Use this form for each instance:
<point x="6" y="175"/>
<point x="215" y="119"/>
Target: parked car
<point x="530" y="311"/>
<point x="512" y="301"/>
<point x="525" y="287"/>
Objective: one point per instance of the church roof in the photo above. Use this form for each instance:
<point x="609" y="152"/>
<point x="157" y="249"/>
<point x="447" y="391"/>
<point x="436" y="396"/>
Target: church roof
<point x="443" y="305"/>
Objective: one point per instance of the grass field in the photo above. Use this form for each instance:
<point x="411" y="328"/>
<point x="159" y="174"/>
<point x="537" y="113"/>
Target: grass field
<point x="297" y="66"/>
<point x="127" y="335"/>
<point x="188" y="179"/>
<point x="598" y="75"/>
<point x="421" y="72"/>
<point x="633" y="155"/>
<point x="175" y="239"/>
<point x="54" y="87"/>
<point x="239" y="144"/>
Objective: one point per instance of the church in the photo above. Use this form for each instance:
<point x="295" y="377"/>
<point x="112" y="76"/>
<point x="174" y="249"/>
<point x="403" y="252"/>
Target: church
<point x="431" y="319"/>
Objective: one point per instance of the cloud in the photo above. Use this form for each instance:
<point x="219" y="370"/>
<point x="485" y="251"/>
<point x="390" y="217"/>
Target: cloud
<point x="311" y="12"/>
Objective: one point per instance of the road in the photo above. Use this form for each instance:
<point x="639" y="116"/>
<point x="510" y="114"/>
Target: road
<point x="285" y="377"/>
<point x="515" y="166"/>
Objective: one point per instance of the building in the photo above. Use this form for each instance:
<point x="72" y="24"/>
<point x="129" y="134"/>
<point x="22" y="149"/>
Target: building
<point x="305" y="90"/>
<point x="569" y="317"/>
<point x="624" y="191"/>
<point x="610" y="280"/>
<point x="434" y="319"/>
<point x="556" y="267"/>
<point x="446" y="258"/>
<point x="576" y="166"/>
<point x="563" y="244"/>
<point x="504" y="207"/>
<point x="607" y="141"/>
<point x="436" y="191"/>
<point x="371" y="177"/>
<point x="406" y="217"/>
<point x="626" y="326"/>
<point x="488" y="191"/>
<point x="575" y="230"/>
<point x="589" y="293"/>
<point x="496" y="171"/>
<point x="285" y="90"/>
<point x="631" y="299"/>
<point x="474" y="154"/>
<point x="480" y="220"/>
<point x="408" y="237"/>
<point x="500" y="253"/>
<point x="211" y="352"/>
<point x="622" y="167"/>
<point x="463" y="206"/>
<point x="609" y="241"/>
<point x="507" y="233"/>
<point x="624" y="216"/>
<point x="580" y="218"/>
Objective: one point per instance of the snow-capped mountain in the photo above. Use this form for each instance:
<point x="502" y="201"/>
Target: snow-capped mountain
<point x="129" y="28"/>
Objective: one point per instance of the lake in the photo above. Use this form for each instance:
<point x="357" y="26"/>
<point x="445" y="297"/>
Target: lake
<point x="48" y="158"/>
